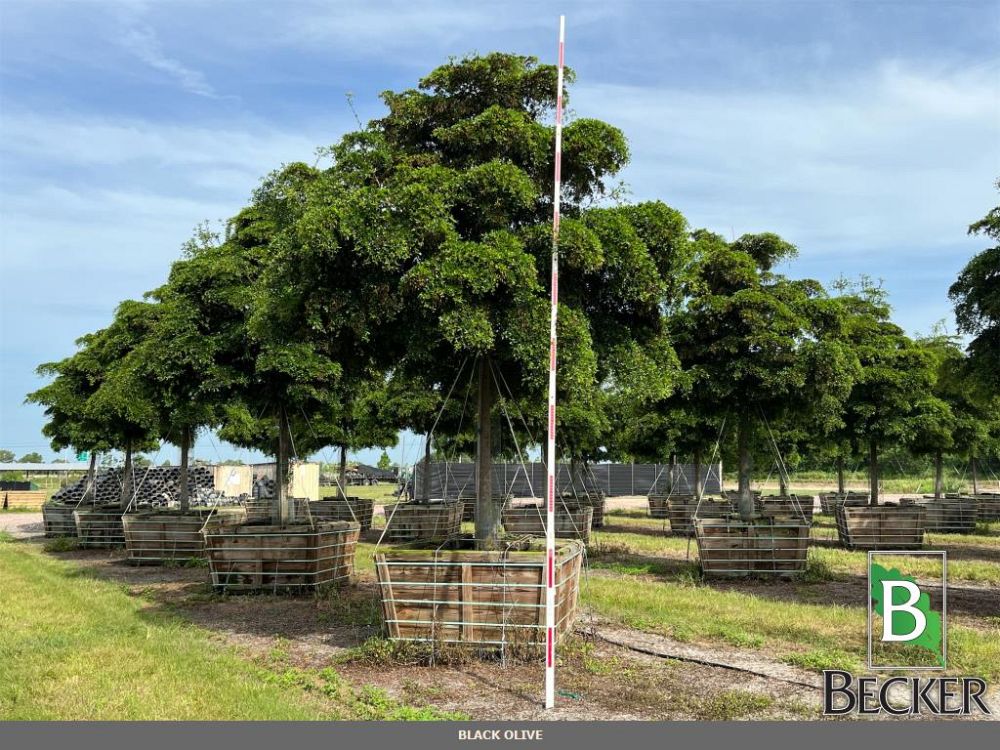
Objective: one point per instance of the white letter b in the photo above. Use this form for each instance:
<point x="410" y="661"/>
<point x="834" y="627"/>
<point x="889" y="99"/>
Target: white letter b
<point x="889" y="609"/>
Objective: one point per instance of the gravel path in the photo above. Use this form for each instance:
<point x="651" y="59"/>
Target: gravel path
<point x="22" y="525"/>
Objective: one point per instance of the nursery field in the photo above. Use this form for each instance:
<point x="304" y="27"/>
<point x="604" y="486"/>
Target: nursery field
<point x="84" y="635"/>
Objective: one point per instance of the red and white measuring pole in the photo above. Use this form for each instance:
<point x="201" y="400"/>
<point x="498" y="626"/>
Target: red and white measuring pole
<point x="550" y="505"/>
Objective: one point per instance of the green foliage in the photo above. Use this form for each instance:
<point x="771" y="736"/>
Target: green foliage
<point x="976" y="294"/>
<point x="6" y="456"/>
<point x="31" y="458"/>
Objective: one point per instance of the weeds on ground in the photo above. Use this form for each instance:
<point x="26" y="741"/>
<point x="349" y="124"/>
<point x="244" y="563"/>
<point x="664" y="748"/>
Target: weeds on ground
<point x="818" y="659"/>
<point x="731" y="704"/>
<point x="62" y="544"/>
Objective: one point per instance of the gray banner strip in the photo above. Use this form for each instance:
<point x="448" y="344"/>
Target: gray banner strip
<point x="912" y="735"/>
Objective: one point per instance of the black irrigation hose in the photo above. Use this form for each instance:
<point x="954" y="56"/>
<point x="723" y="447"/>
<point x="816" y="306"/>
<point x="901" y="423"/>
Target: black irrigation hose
<point x="696" y="660"/>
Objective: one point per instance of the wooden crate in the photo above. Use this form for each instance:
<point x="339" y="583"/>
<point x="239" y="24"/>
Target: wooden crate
<point x="281" y="559"/>
<point x="828" y="501"/>
<point x="764" y="547"/>
<point x="419" y="520"/>
<point x="681" y="510"/>
<point x="99" y="526"/>
<point x="469" y="510"/>
<point x="657" y="506"/>
<point x="948" y="515"/>
<point x="58" y="519"/>
<point x="338" y="509"/>
<point x="800" y="507"/>
<point x="988" y="507"/>
<point x="571" y="522"/>
<point x="592" y="499"/>
<point x="874" y="527"/>
<point x="26" y="499"/>
<point x="156" y="537"/>
<point x="485" y="599"/>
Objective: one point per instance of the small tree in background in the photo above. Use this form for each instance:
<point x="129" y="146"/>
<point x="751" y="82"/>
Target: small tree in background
<point x="6" y="456"/>
<point x="960" y="417"/>
<point x="884" y="402"/>
<point x="750" y="337"/>
<point x="121" y="405"/>
<point x="976" y="294"/>
<point x="184" y="359"/>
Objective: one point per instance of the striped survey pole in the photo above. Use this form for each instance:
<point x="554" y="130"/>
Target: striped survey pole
<point x="550" y="505"/>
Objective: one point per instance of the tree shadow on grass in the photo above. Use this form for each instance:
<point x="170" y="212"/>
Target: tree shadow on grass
<point x="324" y="622"/>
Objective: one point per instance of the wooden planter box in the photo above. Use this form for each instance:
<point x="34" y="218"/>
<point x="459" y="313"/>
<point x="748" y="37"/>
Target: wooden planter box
<point x="874" y="527"/>
<point x="949" y="515"/>
<point x="290" y="559"/>
<point x="595" y="500"/>
<point x="657" y="506"/>
<point x="156" y="537"/>
<point x="419" y="520"/>
<point x="58" y="519"/>
<point x="26" y="499"/>
<point x="571" y="523"/>
<point x="469" y="509"/>
<point x="796" y="507"/>
<point x="829" y="501"/>
<point x="485" y="599"/>
<point x="258" y="509"/>
<point x="681" y="510"/>
<point x="988" y="507"/>
<point x="354" y="509"/>
<point x="764" y="547"/>
<point x="99" y="526"/>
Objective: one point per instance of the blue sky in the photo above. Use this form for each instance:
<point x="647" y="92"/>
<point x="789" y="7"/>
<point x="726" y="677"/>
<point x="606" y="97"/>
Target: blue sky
<point x="867" y="133"/>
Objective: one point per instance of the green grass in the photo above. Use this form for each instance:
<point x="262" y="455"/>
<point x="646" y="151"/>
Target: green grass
<point x="74" y="647"/>
<point x="814" y="636"/>
<point x="380" y="493"/>
<point x="649" y="537"/>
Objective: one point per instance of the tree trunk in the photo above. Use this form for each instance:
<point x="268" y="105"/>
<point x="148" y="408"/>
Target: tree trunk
<point x="873" y="471"/>
<point x="280" y="504"/>
<point x="425" y="480"/>
<point x="673" y="472"/>
<point x="938" y="476"/>
<point x="698" y="484"/>
<point x="487" y="520"/>
<point x="975" y="478"/>
<point x="746" y="505"/>
<point x="782" y="481"/>
<point x="91" y="477"/>
<point x="185" y="447"/>
<point x="841" y="484"/>
<point x="126" y="477"/>
<point x="342" y="474"/>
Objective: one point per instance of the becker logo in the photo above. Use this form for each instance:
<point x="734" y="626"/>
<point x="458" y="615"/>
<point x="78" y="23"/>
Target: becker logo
<point x="907" y="631"/>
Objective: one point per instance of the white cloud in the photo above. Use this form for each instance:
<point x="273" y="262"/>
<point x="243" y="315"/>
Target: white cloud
<point x="900" y="157"/>
<point x="141" y="40"/>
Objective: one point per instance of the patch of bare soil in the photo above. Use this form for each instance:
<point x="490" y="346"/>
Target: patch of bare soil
<point x="596" y="680"/>
<point x="22" y="525"/>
